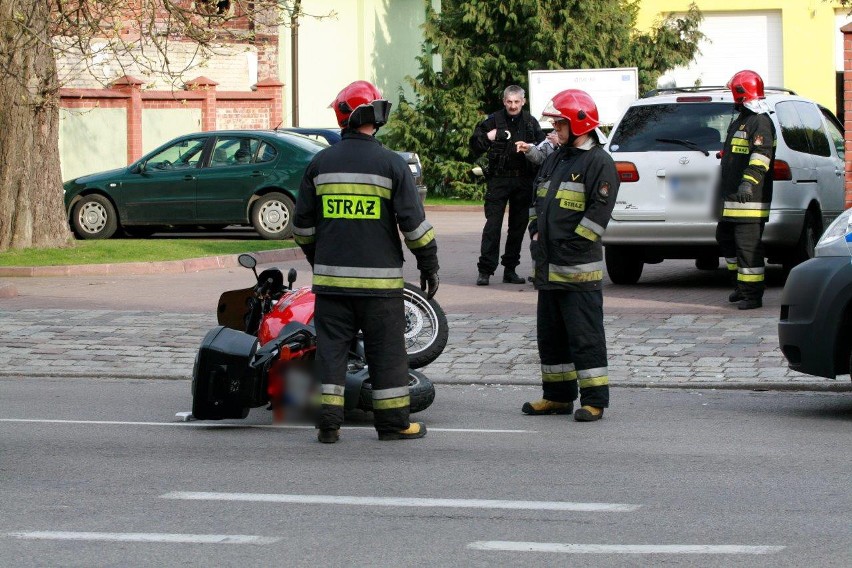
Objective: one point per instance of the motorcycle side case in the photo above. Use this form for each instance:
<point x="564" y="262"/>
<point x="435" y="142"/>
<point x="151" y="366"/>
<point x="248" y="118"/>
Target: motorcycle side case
<point x="223" y="383"/>
<point x="352" y="388"/>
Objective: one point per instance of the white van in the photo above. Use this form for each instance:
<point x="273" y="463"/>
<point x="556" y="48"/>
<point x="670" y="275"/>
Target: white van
<point x="666" y="151"/>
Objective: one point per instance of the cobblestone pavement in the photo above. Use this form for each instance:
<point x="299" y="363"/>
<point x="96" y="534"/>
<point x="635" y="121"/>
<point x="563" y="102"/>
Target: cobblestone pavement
<point x="718" y="351"/>
<point x="674" y="328"/>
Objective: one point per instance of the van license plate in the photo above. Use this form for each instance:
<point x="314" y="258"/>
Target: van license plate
<point x="689" y="190"/>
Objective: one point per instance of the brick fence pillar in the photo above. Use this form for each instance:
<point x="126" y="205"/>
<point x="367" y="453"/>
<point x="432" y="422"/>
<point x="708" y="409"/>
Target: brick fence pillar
<point x="208" y="105"/>
<point x="274" y="89"/>
<point x="133" y="87"/>
<point x="847" y="107"/>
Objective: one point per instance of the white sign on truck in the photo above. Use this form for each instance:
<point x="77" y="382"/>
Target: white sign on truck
<point x="612" y="89"/>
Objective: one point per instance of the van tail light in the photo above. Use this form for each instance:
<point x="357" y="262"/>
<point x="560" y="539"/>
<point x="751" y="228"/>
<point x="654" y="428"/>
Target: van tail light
<point x="781" y="171"/>
<point x="627" y="171"/>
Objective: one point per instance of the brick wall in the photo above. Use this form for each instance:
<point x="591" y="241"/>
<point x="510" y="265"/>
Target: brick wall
<point x="258" y="109"/>
<point x="847" y="107"/>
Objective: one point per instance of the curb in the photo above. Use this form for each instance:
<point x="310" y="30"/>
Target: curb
<point x="804" y="386"/>
<point x="133" y="268"/>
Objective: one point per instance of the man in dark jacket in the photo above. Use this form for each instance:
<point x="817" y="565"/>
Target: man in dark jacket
<point x="576" y="190"/>
<point x="354" y="199"/>
<point x="509" y="178"/>
<point x="745" y="189"/>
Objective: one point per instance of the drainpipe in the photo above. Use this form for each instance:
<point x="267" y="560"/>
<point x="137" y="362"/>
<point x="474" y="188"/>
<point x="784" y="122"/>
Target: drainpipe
<point x="294" y="59"/>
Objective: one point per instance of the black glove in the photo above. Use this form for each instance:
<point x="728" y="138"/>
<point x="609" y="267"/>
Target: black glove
<point x="744" y="192"/>
<point x="429" y="283"/>
<point x="502" y="135"/>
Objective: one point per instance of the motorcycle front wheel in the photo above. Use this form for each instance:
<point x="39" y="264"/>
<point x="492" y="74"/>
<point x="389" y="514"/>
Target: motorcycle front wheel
<point x="426" y="328"/>
<point x="420" y="390"/>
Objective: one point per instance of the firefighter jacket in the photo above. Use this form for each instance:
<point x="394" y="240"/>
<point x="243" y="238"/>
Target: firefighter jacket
<point x="503" y="158"/>
<point x="748" y="156"/>
<point x="575" y="193"/>
<point x="352" y="198"/>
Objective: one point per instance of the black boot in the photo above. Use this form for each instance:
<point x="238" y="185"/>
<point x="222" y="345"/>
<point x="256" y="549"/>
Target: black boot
<point x="511" y="277"/>
<point x="483" y="279"/>
<point x="328" y="435"/>
<point x="735" y="296"/>
<point x="750" y="304"/>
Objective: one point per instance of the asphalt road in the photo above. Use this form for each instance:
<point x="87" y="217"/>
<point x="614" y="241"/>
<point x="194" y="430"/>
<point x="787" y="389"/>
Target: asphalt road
<point x="100" y="473"/>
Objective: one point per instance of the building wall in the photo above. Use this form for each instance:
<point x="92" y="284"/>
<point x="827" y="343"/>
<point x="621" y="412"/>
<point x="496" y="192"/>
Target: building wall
<point x="809" y="38"/>
<point x="375" y="40"/>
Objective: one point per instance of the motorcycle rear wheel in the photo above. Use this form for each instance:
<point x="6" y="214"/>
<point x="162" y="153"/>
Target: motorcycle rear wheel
<point x="420" y="390"/>
<point x="426" y="328"/>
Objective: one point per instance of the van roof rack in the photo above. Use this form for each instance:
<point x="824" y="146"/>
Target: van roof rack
<point x="704" y="88"/>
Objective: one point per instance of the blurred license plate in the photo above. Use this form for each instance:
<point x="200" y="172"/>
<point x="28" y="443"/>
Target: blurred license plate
<point x="689" y="190"/>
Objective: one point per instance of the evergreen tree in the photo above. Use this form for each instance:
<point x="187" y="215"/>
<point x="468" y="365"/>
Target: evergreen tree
<point x="473" y="49"/>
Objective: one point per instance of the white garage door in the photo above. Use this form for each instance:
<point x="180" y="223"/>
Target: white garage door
<point x="735" y="41"/>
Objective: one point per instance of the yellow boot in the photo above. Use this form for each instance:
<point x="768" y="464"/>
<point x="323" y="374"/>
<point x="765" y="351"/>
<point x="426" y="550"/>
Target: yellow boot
<point x="415" y="430"/>
<point x="544" y="406"/>
<point x="588" y="414"/>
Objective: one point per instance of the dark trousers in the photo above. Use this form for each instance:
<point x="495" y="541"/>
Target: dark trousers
<point x="337" y="320"/>
<point x="517" y="193"/>
<point x="572" y="347"/>
<point x="743" y="242"/>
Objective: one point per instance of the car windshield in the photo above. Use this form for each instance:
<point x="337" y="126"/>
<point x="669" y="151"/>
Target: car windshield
<point x="673" y="127"/>
<point x="303" y="142"/>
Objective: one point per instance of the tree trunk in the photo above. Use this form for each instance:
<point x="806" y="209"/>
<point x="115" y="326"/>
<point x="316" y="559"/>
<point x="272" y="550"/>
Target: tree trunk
<point x="32" y="211"/>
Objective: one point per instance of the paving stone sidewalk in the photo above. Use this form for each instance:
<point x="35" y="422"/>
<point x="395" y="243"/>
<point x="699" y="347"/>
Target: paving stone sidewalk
<point x="674" y="350"/>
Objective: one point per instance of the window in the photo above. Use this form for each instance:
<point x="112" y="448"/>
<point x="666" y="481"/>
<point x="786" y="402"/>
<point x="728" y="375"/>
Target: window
<point x="181" y="155"/>
<point x="266" y="153"/>
<point x="671" y="127"/>
<point x="835" y="132"/>
<point x="801" y="127"/>
<point x="233" y="151"/>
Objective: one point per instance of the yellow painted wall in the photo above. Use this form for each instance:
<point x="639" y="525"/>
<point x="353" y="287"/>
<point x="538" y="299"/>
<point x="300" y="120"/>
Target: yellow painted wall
<point x="161" y="125"/>
<point x="808" y="37"/>
<point x="91" y="141"/>
<point x="375" y="40"/>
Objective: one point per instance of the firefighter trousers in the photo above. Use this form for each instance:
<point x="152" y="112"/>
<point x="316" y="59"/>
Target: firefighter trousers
<point x="337" y="320"/>
<point x="517" y="193"/>
<point x="572" y="346"/>
<point x="742" y="246"/>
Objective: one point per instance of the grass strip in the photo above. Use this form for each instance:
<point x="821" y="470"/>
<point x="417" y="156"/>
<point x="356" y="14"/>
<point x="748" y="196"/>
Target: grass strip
<point x="135" y="250"/>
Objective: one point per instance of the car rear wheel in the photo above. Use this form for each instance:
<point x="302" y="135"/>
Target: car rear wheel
<point x="94" y="217"/>
<point x="707" y="263"/>
<point x="806" y="246"/>
<point x="272" y="216"/>
<point x="623" y="265"/>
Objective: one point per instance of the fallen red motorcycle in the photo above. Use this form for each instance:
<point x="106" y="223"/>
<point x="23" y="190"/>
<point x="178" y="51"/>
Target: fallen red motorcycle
<point x="262" y="351"/>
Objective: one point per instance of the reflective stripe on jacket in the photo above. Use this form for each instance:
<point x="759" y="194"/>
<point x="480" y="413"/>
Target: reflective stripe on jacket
<point x="354" y="200"/>
<point x="575" y="193"/>
<point x="748" y="156"/>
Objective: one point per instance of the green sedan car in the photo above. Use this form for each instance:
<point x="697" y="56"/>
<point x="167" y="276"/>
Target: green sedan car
<point x="209" y="179"/>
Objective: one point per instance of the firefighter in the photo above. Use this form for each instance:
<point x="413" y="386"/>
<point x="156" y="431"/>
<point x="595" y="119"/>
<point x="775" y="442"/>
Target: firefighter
<point x="576" y="190"/>
<point x="355" y="198"/>
<point x="745" y="189"/>
<point x="509" y="179"/>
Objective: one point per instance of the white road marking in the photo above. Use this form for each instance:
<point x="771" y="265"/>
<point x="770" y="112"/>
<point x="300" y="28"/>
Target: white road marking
<point x="147" y="537"/>
<point x="510" y="546"/>
<point x="232" y="425"/>
<point x="403" y="501"/>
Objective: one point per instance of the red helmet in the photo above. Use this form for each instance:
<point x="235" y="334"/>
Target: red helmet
<point x="746" y="86"/>
<point x="575" y="106"/>
<point x="360" y="103"/>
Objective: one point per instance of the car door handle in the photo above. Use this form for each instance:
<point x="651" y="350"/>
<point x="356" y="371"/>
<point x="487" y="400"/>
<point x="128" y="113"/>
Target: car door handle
<point x="258" y="174"/>
<point x="837" y="172"/>
<point x="188" y="178"/>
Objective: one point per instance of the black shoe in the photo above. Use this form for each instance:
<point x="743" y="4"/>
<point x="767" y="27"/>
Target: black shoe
<point x="511" y="277"/>
<point x="483" y="279"/>
<point x="415" y="430"/>
<point x="328" y="435"/>
<point x="750" y="304"/>
<point x="735" y="297"/>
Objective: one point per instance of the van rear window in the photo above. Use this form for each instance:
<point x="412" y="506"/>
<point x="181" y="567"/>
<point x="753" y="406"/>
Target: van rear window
<point x="672" y="127"/>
